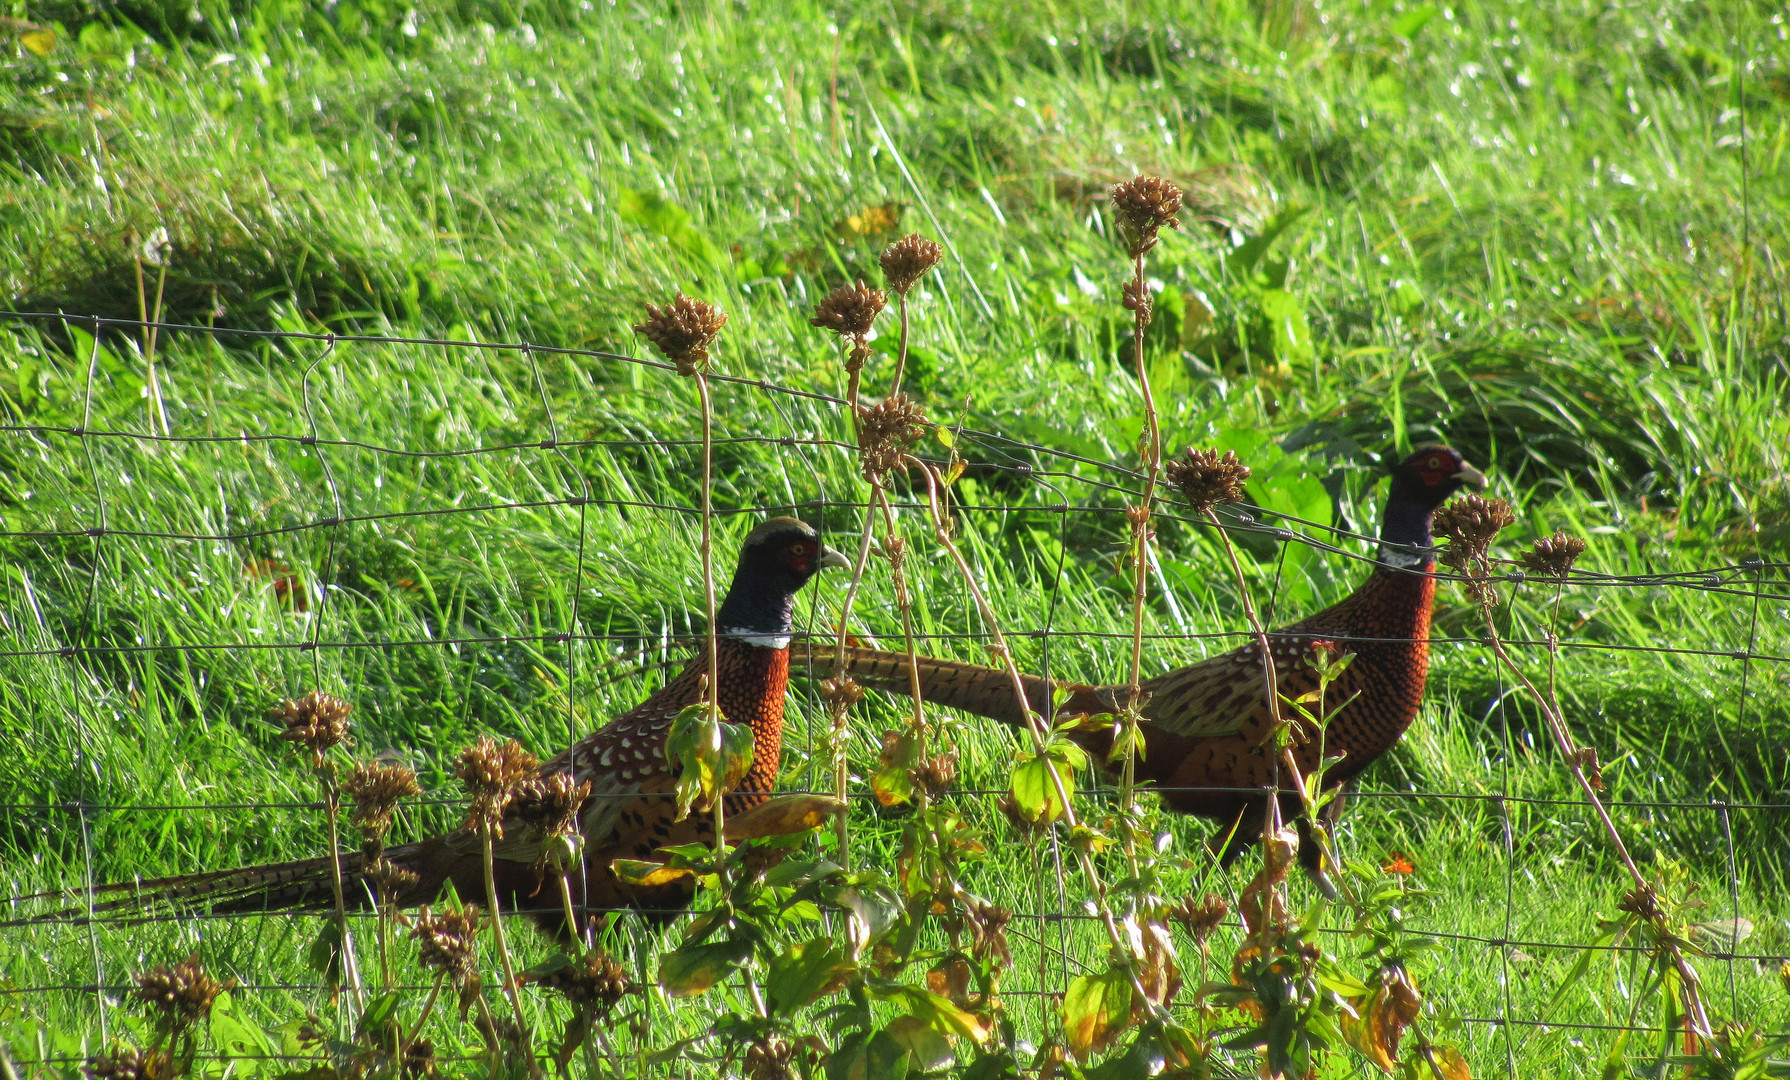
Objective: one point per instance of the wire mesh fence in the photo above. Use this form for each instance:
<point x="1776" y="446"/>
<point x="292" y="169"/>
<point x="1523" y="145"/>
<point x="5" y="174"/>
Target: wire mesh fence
<point x="1057" y="487"/>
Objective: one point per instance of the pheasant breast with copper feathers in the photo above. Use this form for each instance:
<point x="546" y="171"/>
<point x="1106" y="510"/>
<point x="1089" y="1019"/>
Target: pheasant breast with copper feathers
<point x="631" y="809"/>
<point x="1207" y="725"/>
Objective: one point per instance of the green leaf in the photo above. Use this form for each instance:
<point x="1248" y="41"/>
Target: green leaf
<point x="1413" y="21"/>
<point x="866" y="1055"/>
<point x="655" y="213"/>
<point x="928" y="1049"/>
<point x="1033" y="791"/>
<point x="805" y="973"/>
<point x="693" y="969"/>
<point x="934" y="1011"/>
<point x="1291" y="334"/>
<point x="235" y="1036"/>
<point x="1097" y="1010"/>
<point x="41" y="42"/>
<point x="711" y="756"/>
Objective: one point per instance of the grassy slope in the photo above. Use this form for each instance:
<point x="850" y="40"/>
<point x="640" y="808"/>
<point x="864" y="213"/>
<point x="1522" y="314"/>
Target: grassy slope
<point x="1525" y="234"/>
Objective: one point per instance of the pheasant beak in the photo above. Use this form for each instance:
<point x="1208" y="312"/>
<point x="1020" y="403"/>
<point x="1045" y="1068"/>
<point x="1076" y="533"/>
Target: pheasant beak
<point x="1470" y="476"/>
<point x="829" y="557"/>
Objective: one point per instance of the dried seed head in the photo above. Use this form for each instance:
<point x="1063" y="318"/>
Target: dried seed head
<point x="1642" y="901"/>
<point x="1470" y="523"/>
<point x="120" y="1063"/>
<point x="491" y="770"/>
<point x="447" y="944"/>
<point x="773" y="1057"/>
<point x="850" y="310"/>
<point x="595" y="981"/>
<point x="1138" y="299"/>
<point x="1208" y="480"/>
<point x="841" y="692"/>
<point x="419" y="1060"/>
<point x="391" y="880"/>
<point x="317" y="722"/>
<point x="988" y="931"/>
<point x="180" y="995"/>
<point x="1200" y="918"/>
<point x="683" y="330"/>
<point x="886" y="431"/>
<point x="906" y="261"/>
<point x="1552" y="556"/>
<point x="935" y="774"/>
<point x="551" y="803"/>
<point x="376" y="788"/>
<point x="1142" y="207"/>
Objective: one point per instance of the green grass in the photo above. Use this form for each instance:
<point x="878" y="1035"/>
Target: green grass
<point x="1531" y="229"/>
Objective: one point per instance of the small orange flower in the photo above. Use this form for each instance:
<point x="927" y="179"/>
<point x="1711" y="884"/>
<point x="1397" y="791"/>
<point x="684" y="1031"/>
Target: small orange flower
<point x="1399" y="863"/>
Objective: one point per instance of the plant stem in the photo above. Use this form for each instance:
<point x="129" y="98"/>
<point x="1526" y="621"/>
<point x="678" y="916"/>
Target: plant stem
<point x="942" y="532"/>
<point x="1140" y="564"/>
<point x="416" y="1032"/>
<point x="503" y="951"/>
<point x="345" y="943"/>
<point x="708" y="586"/>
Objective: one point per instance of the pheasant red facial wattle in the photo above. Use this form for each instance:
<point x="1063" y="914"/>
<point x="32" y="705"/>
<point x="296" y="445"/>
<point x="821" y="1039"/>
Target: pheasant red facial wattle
<point x="1207" y="723"/>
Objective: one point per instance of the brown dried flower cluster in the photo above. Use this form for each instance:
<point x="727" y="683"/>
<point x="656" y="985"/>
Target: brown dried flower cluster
<point x="1642" y="901"/>
<point x="123" y="1064"/>
<point x="447" y="943"/>
<point x="906" y="261"/>
<point x="935" y="774"/>
<point x="774" y="1057"/>
<point x="841" y="692"/>
<point x="551" y="803"/>
<point x="1142" y="206"/>
<point x="1553" y="556"/>
<point x="390" y="880"/>
<point x="1208" y="480"/>
<point x="491" y="770"/>
<point x="180" y="995"/>
<point x="419" y="1060"/>
<point x="850" y="310"/>
<point x="1138" y="299"/>
<point x="318" y="722"/>
<point x="683" y="330"/>
<point x="1200" y="917"/>
<point x="1470" y="523"/>
<point x="988" y="932"/>
<point x="595" y="981"/>
<point x="886" y="431"/>
<point x="376" y="789"/>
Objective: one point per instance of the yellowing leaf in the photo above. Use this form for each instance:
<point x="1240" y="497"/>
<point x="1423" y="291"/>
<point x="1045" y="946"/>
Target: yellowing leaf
<point x="869" y="221"/>
<point x="692" y="969"/>
<point x="40" y="42"/>
<point x="648" y="874"/>
<point x="782" y="816"/>
<point x="1449" y="1063"/>
<point x="1096" y="1011"/>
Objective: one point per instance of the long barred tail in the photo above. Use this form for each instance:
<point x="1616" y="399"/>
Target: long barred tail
<point x="974" y="688"/>
<point x="297" y="885"/>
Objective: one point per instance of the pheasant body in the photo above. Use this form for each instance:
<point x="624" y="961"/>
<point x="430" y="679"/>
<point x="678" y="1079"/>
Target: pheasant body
<point x="1207" y="726"/>
<point x="632" y="809"/>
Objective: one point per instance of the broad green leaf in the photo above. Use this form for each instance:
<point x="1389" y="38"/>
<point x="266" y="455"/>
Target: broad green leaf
<point x="1033" y="791"/>
<point x="928" y="1049"/>
<point x="868" y="1056"/>
<point x="1097" y="1010"/>
<point x="693" y="969"/>
<point x="237" y="1037"/>
<point x="805" y="973"/>
<point x="711" y="756"/>
<point x="934" y="1011"/>
<point x="1285" y="317"/>
<point x="1413" y="21"/>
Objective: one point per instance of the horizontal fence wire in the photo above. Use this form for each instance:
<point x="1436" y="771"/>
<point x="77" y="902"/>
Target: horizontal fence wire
<point x="1040" y="466"/>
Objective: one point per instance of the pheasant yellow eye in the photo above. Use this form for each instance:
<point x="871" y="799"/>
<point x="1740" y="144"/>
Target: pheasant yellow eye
<point x="1435" y="463"/>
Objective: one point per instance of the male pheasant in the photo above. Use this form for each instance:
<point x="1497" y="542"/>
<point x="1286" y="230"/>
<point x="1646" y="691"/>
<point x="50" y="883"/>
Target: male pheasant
<point x="630" y="811"/>
<point x="1206" y="723"/>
